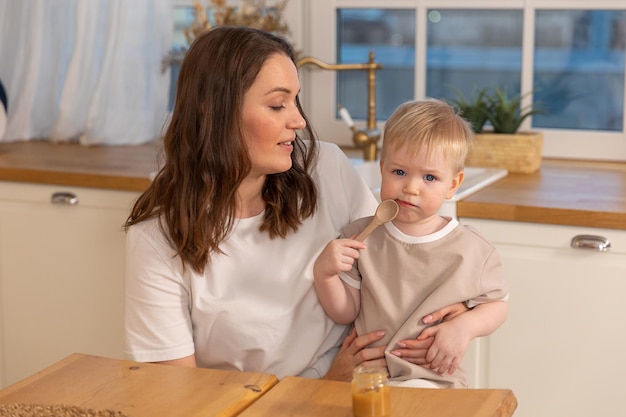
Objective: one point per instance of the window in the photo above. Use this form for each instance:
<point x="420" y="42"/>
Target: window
<point x="183" y="17"/>
<point x="390" y="34"/>
<point x="579" y="69"/>
<point x="471" y="49"/>
<point x="570" y="54"/>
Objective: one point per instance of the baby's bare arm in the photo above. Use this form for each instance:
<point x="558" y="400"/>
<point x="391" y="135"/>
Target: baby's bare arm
<point x="340" y="301"/>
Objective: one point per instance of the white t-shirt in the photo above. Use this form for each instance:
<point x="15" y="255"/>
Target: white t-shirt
<point x="254" y="308"/>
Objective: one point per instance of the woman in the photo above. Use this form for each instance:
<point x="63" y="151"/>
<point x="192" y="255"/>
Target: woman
<point x="220" y="247"/>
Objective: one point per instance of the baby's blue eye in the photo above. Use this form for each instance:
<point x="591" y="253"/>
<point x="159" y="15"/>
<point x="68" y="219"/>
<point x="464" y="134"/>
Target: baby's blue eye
<point x="430" y="177"/>
<point x="399" y="172"/>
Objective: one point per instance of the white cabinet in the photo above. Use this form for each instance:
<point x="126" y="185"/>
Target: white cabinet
<point x="61" y="275"/>
<point x="562" y="347"/>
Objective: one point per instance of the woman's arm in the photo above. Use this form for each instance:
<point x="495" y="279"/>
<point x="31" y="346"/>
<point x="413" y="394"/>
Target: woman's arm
<point x="415" y="350"/>
<point x="156" y="316"/>
<point x="450" y="339"/>
<point x="187" y="362"/>
<point x="354" y="352"/>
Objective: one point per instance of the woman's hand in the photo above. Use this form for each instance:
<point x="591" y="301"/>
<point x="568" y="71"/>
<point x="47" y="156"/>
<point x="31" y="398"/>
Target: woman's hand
<point x="446" y="313"/>
<point x="451" y="338"/>
<point x="449" y="342"/>
<point x="416" y="350"/>
<point x="354" y="352"/>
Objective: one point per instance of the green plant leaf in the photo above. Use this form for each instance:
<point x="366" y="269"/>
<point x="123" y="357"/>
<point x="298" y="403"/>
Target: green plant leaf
<point x="505" y="113"/>
<point x="472" y="109"/>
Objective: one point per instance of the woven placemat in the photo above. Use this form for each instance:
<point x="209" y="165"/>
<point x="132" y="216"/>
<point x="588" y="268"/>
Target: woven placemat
<point x="36" y="410"/>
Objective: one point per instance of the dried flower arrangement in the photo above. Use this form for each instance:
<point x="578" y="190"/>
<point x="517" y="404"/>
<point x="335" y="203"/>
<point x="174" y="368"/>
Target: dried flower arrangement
<point x="251" y="13"/>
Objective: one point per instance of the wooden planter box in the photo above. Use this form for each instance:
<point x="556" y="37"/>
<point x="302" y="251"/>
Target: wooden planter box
<point x="518" y="153"/>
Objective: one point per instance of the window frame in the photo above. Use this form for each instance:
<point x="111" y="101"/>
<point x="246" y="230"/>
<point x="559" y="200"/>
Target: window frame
<point x="558" y="143"/>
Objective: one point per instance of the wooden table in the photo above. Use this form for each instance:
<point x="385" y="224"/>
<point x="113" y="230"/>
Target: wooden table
<point x="140" y="389"/>
<point x="301" y="397"/>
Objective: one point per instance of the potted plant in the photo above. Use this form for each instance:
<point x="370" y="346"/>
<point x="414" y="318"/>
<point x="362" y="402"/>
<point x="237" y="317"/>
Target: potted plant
<point x="474" y="108"/>
<point x="501" y="144"/>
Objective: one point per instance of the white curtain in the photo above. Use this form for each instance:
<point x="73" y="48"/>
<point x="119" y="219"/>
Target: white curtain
<point x="85" y="70"/>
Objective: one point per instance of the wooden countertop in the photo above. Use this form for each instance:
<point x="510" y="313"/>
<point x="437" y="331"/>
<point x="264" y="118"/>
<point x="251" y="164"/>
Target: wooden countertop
<point x="126" y="168"/>
<point x="588" y="194"/>
<point x="576" y="193"/>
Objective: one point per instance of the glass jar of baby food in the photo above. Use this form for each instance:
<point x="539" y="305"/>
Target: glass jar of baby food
<point x="370" y="392"/>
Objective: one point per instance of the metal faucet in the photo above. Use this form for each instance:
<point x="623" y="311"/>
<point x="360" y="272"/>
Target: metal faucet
<point x="366" y="139"/>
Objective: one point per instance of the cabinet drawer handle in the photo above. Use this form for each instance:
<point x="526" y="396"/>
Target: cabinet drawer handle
<point x="63" y="197"/>
<point x="592" y="242"/>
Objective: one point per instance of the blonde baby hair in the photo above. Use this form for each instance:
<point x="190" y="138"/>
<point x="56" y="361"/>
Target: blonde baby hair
<point x="429" y="125"/>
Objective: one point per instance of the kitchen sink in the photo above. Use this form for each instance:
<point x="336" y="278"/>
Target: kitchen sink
<point x="476" y="179"/>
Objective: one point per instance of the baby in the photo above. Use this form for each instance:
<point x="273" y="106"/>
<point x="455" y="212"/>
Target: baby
<point x="420" y="261"/>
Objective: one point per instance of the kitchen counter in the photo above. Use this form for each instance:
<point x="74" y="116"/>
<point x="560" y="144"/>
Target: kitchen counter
<point x="589" y="194"/>
<point x="576" y="193"/>
<point x="125" y="168"/>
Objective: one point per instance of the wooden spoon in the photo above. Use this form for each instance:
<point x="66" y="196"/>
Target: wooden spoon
<point x="385" y="212"/>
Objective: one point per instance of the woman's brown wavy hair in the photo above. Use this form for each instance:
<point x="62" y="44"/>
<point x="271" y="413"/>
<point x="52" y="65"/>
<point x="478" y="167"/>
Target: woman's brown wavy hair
<point x="206" y="159"/>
